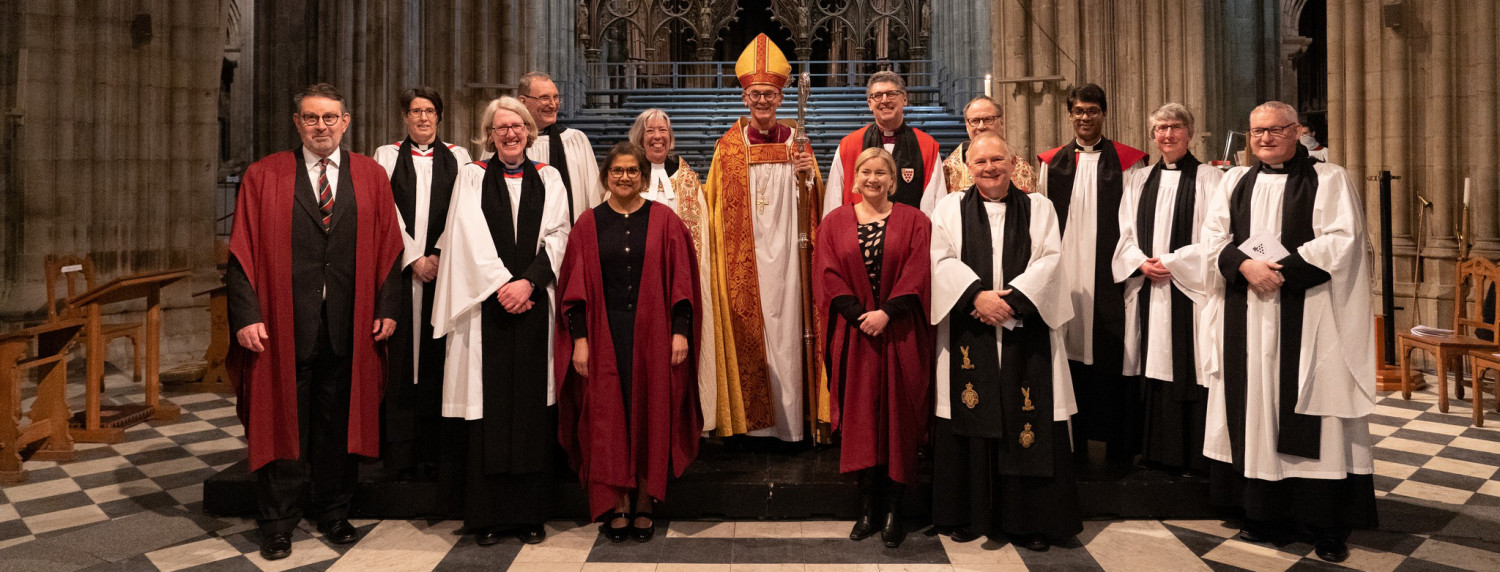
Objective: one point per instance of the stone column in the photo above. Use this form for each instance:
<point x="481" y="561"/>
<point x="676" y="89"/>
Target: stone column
<point x="1477" y="113"/>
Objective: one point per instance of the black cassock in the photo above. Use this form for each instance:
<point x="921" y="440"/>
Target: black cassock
<point x="1002" y="466"/>
<point x="499" y="470"/>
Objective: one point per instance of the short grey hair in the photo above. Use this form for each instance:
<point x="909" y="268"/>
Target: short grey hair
<point x="638" y="130"/>
<point x="523" y="86"/>
<point x="1286" y="111"/>
<point x="885" y="76"/>
<point x="512" y="105"/>
<point x="1170" y="112"/>
<point x="987" y="99"/>
<point x="988" y="135"/>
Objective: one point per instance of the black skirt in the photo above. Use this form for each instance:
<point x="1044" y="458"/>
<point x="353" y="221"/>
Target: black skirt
<point x="485" y="500"/>
<point x="1328" y="504"/>
<point x="967" y="490"/>
<point x="1175" y="413"/>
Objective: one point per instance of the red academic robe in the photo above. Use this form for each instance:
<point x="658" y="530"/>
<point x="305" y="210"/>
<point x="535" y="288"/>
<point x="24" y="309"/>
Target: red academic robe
<point x="881" y="386"/>
<point x="854" y="143"/>
<point x="666" y="417"/>
<point x="266" y="382"/>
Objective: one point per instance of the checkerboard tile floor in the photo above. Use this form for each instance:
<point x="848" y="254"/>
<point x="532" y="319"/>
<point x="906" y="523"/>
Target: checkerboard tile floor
<point x="137" y="505"/>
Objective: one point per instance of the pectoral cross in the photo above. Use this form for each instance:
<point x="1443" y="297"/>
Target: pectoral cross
<point x="760" y="201"/>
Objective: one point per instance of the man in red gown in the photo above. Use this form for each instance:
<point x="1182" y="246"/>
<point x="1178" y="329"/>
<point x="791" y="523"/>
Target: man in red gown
<point x="307" y="368"/>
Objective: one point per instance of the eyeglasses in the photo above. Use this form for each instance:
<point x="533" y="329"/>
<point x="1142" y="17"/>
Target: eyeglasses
<point x="552" y="99"/>
<point x="763" y="95"/>
<point x="424" y="112"/>
<point x="1085" y="113"/>
<point x="624" y="172"/>
<point x="505" y="128"/>
<point x="310" y="120"/>
<point x="887" y="95"/>
<point x="1258" y="132"/>
<point x="982" y="121"/>
<point x="1165" y="127"/>
<point x="657" y="131"/>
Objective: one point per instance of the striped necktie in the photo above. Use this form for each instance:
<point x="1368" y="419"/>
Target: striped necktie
<point x="325" y="194"/>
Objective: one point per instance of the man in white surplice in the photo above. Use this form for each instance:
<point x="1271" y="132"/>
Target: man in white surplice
<point x="563" y="147"/>
<point x="1292" y="374"/>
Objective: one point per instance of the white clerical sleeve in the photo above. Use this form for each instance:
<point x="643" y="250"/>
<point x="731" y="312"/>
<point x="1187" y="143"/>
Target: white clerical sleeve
<point x="1214" y="236"/>
<point x="936" y="189"/>
<point x="386" y="156"/>
<point x="1188" y="264"/>
<point x="1340" y="247"/>
<point x="1128" y="255"/>
<point x="1038" y="281"/>
<point x="583" y="172"/>
<point x="469" y="270"/>
<point x="950" y="276"/>
<point x="833" y="194"/>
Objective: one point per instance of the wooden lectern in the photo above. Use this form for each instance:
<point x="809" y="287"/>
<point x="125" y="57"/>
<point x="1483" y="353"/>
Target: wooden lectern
<point x="99" y="425"/>
<point x="49" y="413"/>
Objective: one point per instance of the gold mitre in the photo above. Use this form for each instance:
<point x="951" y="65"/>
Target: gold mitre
<point x="762" y="63"/>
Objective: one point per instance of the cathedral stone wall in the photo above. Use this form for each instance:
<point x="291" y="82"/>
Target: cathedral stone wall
<point x="1413" y="90"/>
<point x="110" y="145"/>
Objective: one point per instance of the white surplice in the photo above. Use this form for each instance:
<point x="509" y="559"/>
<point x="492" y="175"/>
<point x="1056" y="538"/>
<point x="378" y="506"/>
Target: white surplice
<point x="1186" y="264"/>
<point x="951" y="278"/>
<point x="470" y="270"/>
<point x="1336" y="367"/>
<point x="935" y="189"/>
<point x="1079" y="246"/>
<point x="583" y="168"/>
<point x="780" y="278"/>
<point x="414" y="240"/>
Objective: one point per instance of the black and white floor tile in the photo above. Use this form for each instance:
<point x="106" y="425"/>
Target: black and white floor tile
<point x="138" y="506"/>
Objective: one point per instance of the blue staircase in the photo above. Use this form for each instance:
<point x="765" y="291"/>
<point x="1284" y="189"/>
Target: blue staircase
<point x="700" y="116"/>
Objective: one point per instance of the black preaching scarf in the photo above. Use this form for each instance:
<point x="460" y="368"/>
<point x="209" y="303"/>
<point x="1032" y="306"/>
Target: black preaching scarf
<point x="1108" y="338"/>
<point x="1183" y="359"/>
<point x="404" y="188"/>
<point x="673" y="163"/>
<point x="1000" y="412"/>
<point x="908" y="155"/>
<point x="558" y="158"/>
<point x="516" y="438"/>
<point x="1297" y="434"/>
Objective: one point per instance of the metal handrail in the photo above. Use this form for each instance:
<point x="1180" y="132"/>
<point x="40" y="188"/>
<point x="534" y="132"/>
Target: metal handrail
<point x="613" y="79"/>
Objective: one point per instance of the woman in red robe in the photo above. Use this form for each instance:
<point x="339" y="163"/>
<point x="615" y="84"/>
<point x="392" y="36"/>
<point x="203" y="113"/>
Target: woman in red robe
<point x="872" y="262"/>
<point x="629" y="413"/>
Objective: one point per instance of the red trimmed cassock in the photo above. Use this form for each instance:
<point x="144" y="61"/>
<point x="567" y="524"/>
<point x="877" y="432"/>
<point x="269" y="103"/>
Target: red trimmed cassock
<point x="643" y="425"/>
<point x="881" y="386"/>
<point x="919" y="167"/>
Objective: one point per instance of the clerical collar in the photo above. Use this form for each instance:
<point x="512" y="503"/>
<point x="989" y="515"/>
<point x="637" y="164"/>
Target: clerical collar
<point x="1082" y="148"/>
<point x="509" y="170"/>
<point x="1169" y="166"/>
<point x="990" y="200"/>
<point x="421" y="147"/>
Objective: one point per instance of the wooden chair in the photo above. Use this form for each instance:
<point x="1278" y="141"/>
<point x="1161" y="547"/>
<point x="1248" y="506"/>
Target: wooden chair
<point x="1476" y="276"/>
<point x="68" y="269"/>
<point x="1484" y="360"/>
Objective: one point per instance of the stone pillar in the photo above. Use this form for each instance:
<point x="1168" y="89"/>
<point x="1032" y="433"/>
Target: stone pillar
<point x="1479" y="101"/>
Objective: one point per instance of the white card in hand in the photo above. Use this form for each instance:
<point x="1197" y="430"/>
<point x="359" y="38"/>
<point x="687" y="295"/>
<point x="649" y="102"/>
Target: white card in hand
<point x="1264" y="247"/>
<point x="1011" y="323"/>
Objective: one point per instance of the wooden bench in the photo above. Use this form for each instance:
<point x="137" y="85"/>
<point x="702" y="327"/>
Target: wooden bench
<point x="47" y="422"/>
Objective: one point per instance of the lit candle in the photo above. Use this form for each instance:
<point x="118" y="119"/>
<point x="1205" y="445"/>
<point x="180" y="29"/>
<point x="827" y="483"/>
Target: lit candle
<point x="987" y="85"/>
<point x="1466" y="191"/>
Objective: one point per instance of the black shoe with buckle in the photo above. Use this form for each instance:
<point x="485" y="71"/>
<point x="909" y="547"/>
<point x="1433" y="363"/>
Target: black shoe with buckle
<point x="338" y="531"/>
<point x="615" y="533"/>
<point x="532" y="534"/>
<point x="275" y="545"/>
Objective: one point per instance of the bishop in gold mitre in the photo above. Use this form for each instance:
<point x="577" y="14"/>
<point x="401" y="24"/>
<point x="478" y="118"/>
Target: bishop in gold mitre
<point x="762" y="386"/>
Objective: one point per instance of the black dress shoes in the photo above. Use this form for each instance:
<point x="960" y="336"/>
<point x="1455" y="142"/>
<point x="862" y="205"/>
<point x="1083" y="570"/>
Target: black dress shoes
<point x="532" y="534"/>
<point x="338" y="531"/>
<point x="615" y="533"/>
<point x="489" y="536"/>
<point x="1259" y="532"/>
<point x="643" y="533"/>
<point x="276" y="545"/>
<point x="962" y="534"/>
<point x="1331" y="549"/>
<point x="1034" y="542"/>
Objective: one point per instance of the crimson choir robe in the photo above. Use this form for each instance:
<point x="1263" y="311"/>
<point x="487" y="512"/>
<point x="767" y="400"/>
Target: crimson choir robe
<point x="660" y="438"/>
<point x="266" y="382"/>
<point x="881" y="386"/>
